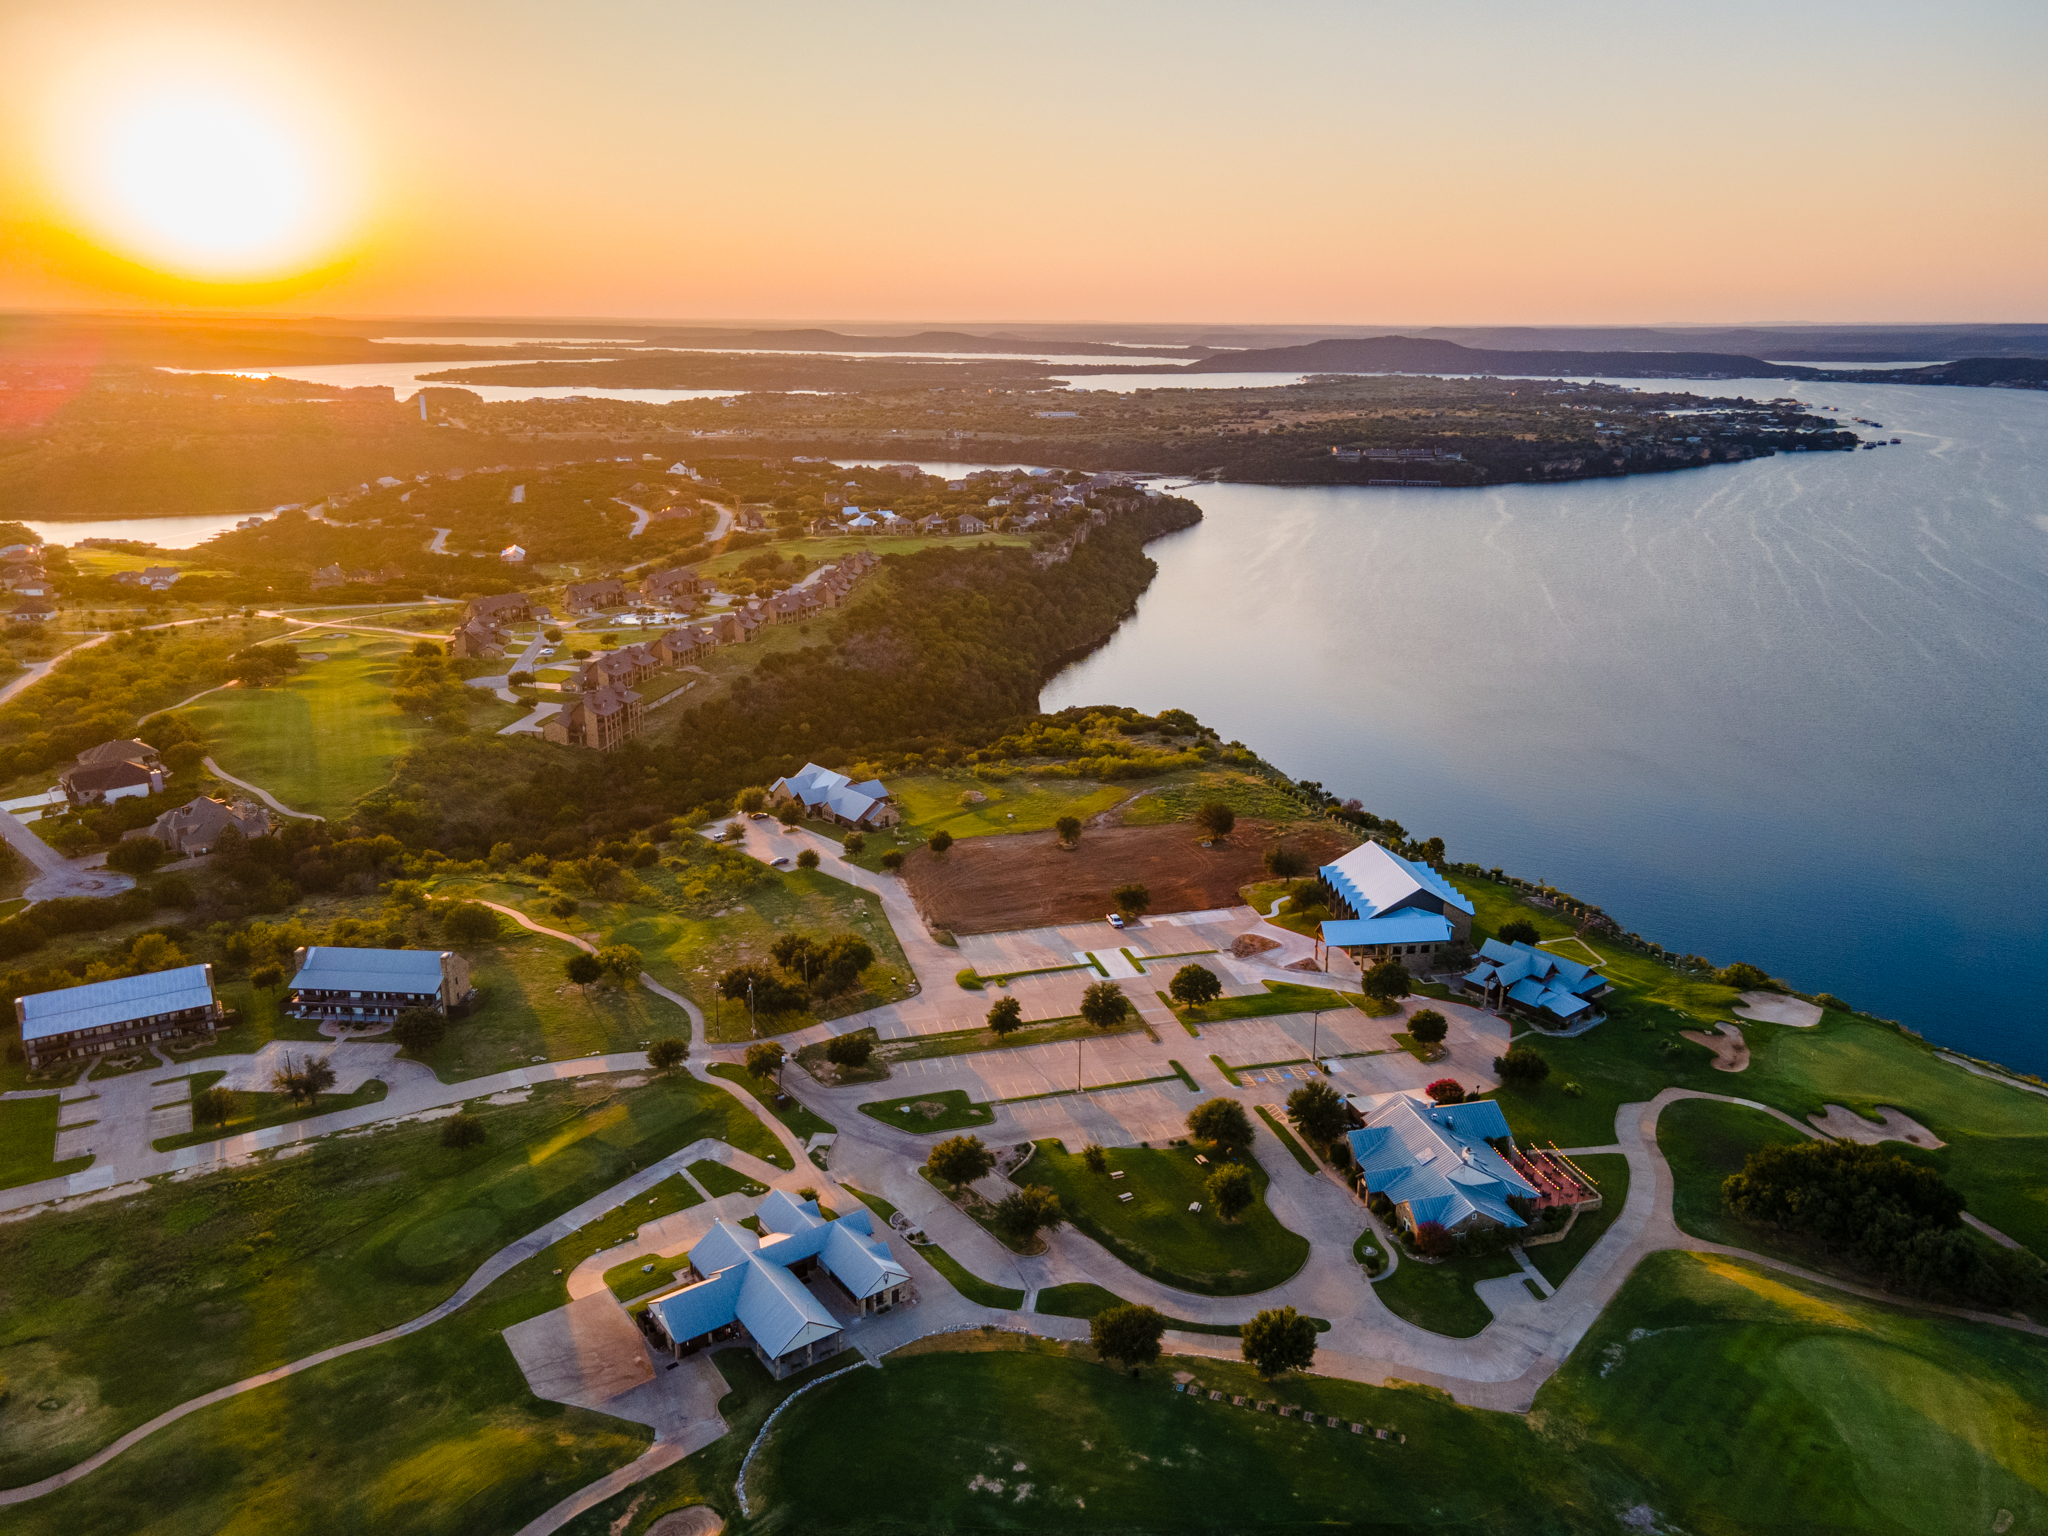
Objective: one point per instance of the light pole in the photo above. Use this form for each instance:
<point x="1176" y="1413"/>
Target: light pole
<point x="753" y="1024"/>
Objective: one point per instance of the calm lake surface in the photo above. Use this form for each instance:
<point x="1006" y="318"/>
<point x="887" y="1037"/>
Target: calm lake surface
<point x="1792" y="712"/>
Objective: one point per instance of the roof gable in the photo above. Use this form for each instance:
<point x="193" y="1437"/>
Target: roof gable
<point x="1375" y="881"/>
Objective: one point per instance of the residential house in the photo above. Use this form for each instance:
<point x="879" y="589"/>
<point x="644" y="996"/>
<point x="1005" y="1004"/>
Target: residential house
<point x="102" y="783"/>
<point x="589" y="596"/>
<point x="32" y="610"/>
<point x="133" y="749"/>
<point x="836" y="798"/>
<point x="194" y="827"/>
<point x="751" y="1286"/>
<point x="362" y="986"/>
<point x="1548" y="988"/>
<point x="1442" y="1163"/>
<point x="786" y="607"/>
<point x="725" y="628"/>
<point x="967" y="522"/>
<point x="473" y="639"/>
<point x="504" y="608"/>
<point x="602" y="719"/>
<point x="936" y="523"/>
<point x="1388" y="907"/>
<point x="76" y="1022"/>
<point x="684" y="643"/>
<point x="512" y="554"/>
<point x="618" y="669"/>
<point x="677" y="586"/>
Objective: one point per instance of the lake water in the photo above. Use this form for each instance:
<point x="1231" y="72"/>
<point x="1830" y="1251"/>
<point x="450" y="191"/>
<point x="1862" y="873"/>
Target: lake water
<point x="164" y="532"/>
<point x="1790" y="712"/>
<point x="406" y="380"/>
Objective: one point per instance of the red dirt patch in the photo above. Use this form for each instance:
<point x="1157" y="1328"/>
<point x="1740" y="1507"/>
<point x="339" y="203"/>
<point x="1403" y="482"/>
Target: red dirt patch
<point x="1026" y="880"/>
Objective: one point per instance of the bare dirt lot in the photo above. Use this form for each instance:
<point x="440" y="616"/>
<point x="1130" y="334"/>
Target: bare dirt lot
<point x="991" y="884"/>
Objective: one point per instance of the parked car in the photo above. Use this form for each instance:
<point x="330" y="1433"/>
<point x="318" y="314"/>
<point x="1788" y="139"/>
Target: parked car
<point x="779" y="863"/>
<point x="1116" y="919"/>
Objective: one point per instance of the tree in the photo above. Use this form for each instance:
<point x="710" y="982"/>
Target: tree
<point x="1741" y="974"/>
<point x="1005" y="1016"/>
<point x="770" y="990"/>
<point x="1216" y="818"/>
<point x="1193" y="985"/>
<point x="304" y="1082"/>
<point x="463" y="1131"/>
<point x="667" y="1053"/>
<point x="851" y="1051"/>
<point x="764" y="1060"/>
<point x="152" y="952"/>
<point x="1132" y="899"/>
<point x="1517" y="930"/>
<point x="1222" y="1123"/>
<point x="1232" y="1190"/>
<point x="939" y="841"/>
<point x="1095" y="1157"/>
<point x="1023" y="1213"/>
<point x="1279" y="1339"/>
<point x="855" y="845"/>
<point x="1127" y="1334"/>
<point x="959" y="1160"/>
<point x="267" y="978"/>
<point x="469" y="923"/>
<point x="1521" y="1066"/>
<point x="1433" y="1241"/>
<point x="797" y="953"/>
<point x="789" y="813"/>
<point x="621" y="962"/>
<point x="1103" y="1005"/>
<point x="1428" y="1027"/>
<point x="750" y="800"/>
<point x="840" y="964"/>
<point x="419" y="1030"/>
<point x="1285" y="863"/>
<point x="1446" y="1090"/>
<point x="891" y="862"/>
<point x="1318" y="1111"/>
<point x="1387" y="980"/>
<point x="1068" y="830"/>
<point x="213" y="1106"/>
<point x="582" y="968"/>
<point x="137" y="855"/>
<point x="808" y="859"/>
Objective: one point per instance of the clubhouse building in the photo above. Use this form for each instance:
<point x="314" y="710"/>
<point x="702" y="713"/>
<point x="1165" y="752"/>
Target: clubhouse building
<point x="1390" y="908"/>
<point x="1548" y="989"/>
<point x="102" y="1016"/>
<point x="751" y="1288"/>
<point x="834" y="797"/>
<point x="367" y="986"/>
<point x="1457" y="1165"/>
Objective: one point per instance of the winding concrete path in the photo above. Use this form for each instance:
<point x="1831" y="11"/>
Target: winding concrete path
<point x="37" y="671"/>
<point x="58" y="875"/>
<point x="258" y="791"/>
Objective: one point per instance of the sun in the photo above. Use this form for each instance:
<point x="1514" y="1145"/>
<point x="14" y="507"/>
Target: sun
<point x="207" y="182"/>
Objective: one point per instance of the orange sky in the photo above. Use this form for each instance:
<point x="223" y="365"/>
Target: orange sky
<point x="1342" y="163"/>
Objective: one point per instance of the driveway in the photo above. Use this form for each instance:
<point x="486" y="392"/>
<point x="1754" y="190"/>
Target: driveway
<point x="59" y="876"/>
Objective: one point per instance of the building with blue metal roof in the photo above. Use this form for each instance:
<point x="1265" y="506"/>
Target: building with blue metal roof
<point x="76" y="1022"/>
<point x="1389" y="907"/>
<point x="364" y="986"/>
<point x="1550" y="989"/>
<point x="835" y="797"/>
<point x="1439" y="1163"/>
<point x="750" y="1286"/>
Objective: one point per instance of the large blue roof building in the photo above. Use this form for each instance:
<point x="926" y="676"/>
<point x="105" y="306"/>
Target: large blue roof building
<point x="1439" y="1163"/>
<point x="1390" y="907"/>
<point x="1550" y="989"/>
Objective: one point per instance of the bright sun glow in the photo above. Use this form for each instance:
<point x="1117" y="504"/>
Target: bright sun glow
<point x="207" y="182"/>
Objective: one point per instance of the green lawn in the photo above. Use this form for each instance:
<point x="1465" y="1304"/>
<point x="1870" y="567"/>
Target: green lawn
<point x="621" y="1224"/>
<point x="258" y="1111"/>
<point x="1742" y="1401"/>
<point x="1704" y="1142"/>
<point x="969" y="1042"/>
<point x="723" y="1179"/>
<point x="784" y="1107"/>
<point x="947" y="1110"/>
<point x="635" y="1278"/>
<point x="28" y="1138"/>
<point x="247" y="1268"/>
<point x="1609" y="1172"/>
<point x="1156" y="1234"/>
<point x="328" y="735"/>
<point x="1185" y="793"/>
<point x="932" y="801"/>
<point x="1440" y="1297"/>
<point x="1279" y="997"/>
<point x="1084" y="1299"/>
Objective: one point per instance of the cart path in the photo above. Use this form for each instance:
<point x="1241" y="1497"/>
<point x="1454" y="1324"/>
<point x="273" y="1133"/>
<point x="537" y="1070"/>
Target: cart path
<point x="258" y="791"/>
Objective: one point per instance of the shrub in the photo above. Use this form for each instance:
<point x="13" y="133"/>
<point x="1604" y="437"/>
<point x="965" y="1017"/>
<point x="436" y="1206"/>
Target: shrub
<point x="582" y="968"/>
<point x="855" y="845"/>
<point x="855" y="1050"/>
<point x="1743" y="975"/>
<point x="1521" y="1066"/>
<point x="1278" y="1340"/>
<point x="1132" y="900"/>
<point x="1571" y="1090"/>
<point x="808" y="859"/>
<point x="1231" y="1190"/>
<point x="137" y="856"/>
<point x="1216" y="819"/>
<point x="1193" y="985"/>
<point x="968" y="980"/>
<point x="959" y="1160"/>
<point x="213" y="1106"/>
<point x="469" y="923"/>
<point x="1095" y="1157"/>
<point x="1428" y="1027"/>
<point x="764" y="1059"/>
<point x="667" y="1053"/>
<point x="1517" y="930"/>
<point x="939" y="841"/>
<point x="463" y="1130"/>
<point x="1446" y="1090"/>
<point x="892" y="861"/>
<point x="1068" y="830"/>
<point x="563" y="906"/>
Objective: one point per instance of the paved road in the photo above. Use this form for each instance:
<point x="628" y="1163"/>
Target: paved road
<point x="60" y="876"/>
<point x="258" y="791"/>
<point x="35" y="673"/>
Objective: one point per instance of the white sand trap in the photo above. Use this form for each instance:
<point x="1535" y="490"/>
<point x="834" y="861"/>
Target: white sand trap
<point x="1731" y="1051"/>
<point x="698" y="1520"/>
<point x="1777" y="1008"/>
<point x="1847" y="1125"/>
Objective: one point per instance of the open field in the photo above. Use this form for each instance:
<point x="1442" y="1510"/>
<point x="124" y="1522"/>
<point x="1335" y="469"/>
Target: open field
<point x="992" y="884"/>
<point x="1156" y="1234"/>
<point x="257" y="1111"/>
<point x="1020" y="804"/>
<point x="1742" y="1401"/>
<point x="28" y="1135"/>
<point x="1084" y="1298"/>
<point x="244" y="1269"/>
<point x="329" y="734"/>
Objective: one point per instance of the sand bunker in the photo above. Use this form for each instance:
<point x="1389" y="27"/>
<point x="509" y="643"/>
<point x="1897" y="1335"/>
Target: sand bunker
<point x="1777" y="1008"/>
<point x="698" y="1520"/>
<point x="1731" y="1051"/>
<point x="1890" y="1125"/>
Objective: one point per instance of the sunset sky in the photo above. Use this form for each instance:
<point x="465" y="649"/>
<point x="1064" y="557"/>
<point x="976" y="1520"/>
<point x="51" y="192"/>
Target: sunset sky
<point x="1463" y="163"/>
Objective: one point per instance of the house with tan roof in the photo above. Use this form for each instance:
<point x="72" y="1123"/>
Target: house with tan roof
<point x="602" y="719"/>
